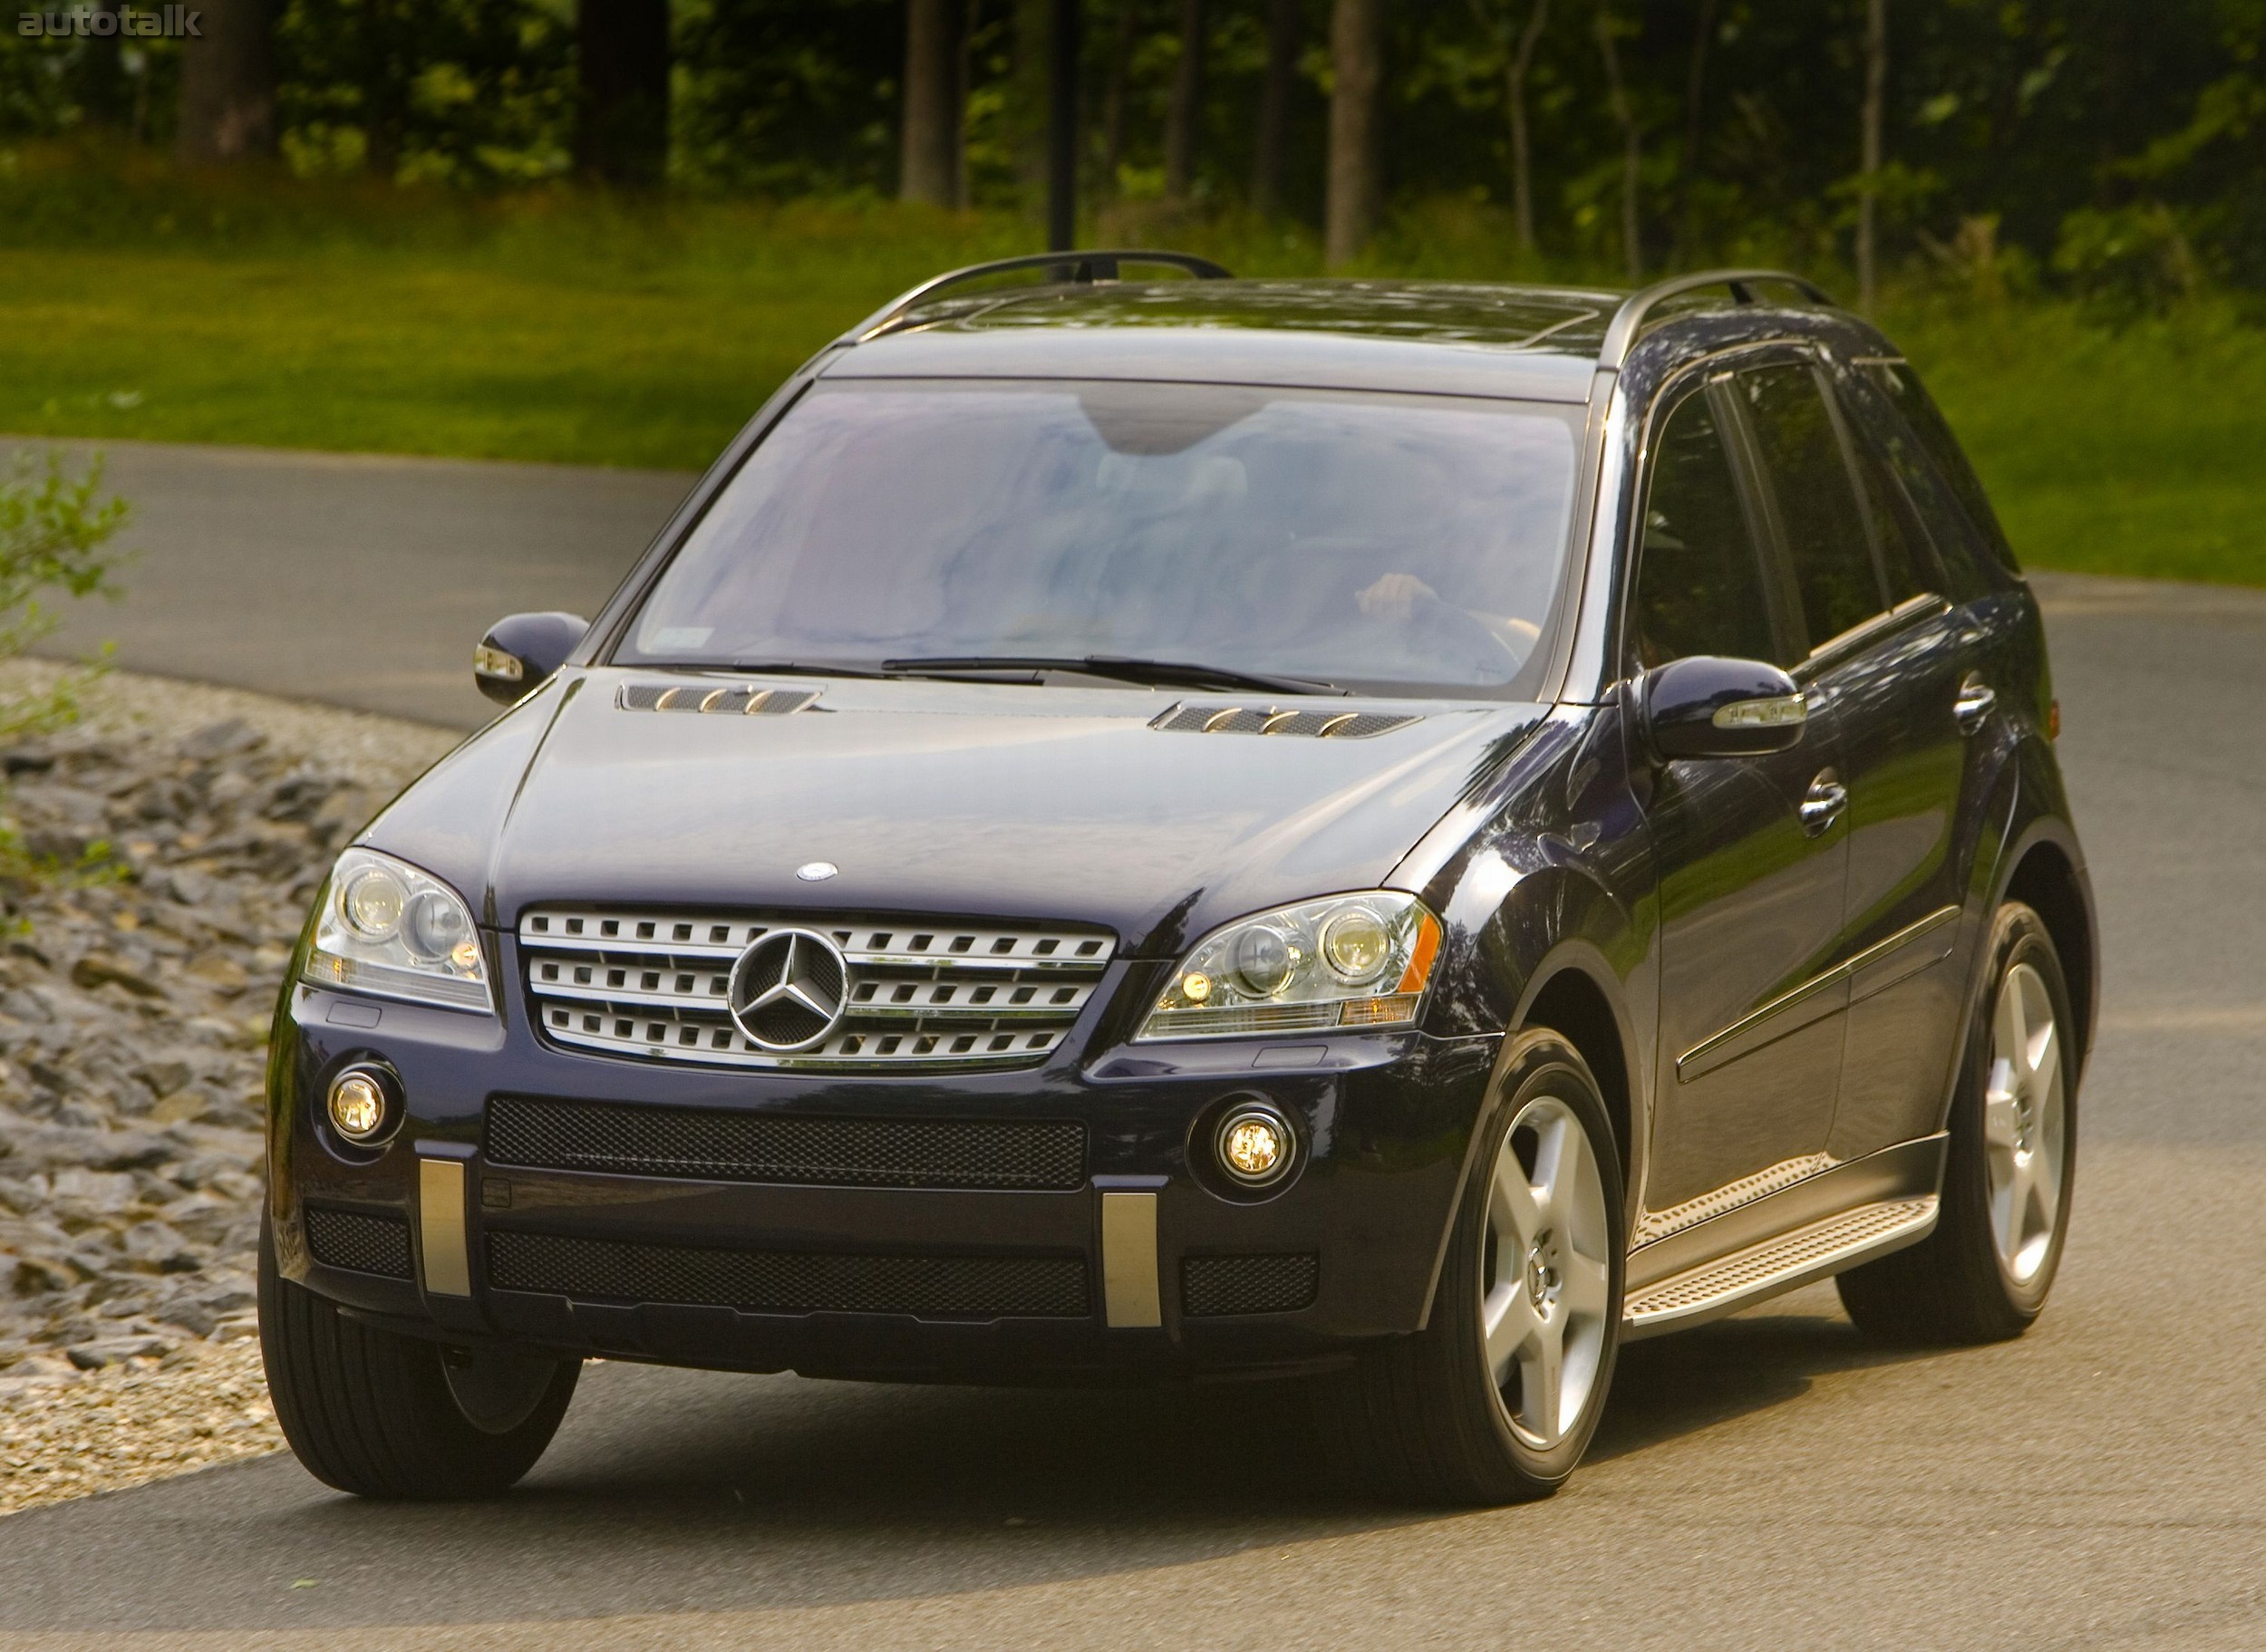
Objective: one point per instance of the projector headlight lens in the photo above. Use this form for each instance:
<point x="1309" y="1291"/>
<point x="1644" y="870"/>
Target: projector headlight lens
<point x="1349" y="960"/>
<point x="386" y="928"/>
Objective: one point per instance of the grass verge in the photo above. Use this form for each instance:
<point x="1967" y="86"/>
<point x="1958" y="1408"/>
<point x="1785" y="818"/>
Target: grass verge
<point x="576" y="332"/>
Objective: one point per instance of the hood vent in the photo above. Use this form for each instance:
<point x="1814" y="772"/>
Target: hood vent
<point x="731" y="699"/>
<point x="1304" y="724"/>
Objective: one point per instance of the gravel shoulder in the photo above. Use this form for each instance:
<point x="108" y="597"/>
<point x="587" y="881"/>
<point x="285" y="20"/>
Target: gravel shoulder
<point x="156" y="861"/>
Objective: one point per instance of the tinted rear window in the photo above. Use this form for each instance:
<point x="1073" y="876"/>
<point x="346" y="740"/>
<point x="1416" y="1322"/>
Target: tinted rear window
<point x="1916" y="411"/>
<point x="1377" y="542"/>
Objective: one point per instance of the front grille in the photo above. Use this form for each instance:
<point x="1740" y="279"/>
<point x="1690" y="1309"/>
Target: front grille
<point x="1211" y="1286"/>
<point x="734" y="1146"/>
<point x="917" y="994"/>
<point x="356" y="1240"/>
<point x="790" y="1281"/>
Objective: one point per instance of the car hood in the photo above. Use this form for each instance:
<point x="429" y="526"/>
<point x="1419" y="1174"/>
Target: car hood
<point x="1062" y="804"/>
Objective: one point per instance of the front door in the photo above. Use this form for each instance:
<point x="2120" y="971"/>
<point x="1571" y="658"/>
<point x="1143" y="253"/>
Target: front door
<point x="1750" y="852"/>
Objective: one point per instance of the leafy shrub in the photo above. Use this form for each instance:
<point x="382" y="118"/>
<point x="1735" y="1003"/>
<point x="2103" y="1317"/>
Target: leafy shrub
<point x="2127" y="261"/>
<point x="54" y="529"/>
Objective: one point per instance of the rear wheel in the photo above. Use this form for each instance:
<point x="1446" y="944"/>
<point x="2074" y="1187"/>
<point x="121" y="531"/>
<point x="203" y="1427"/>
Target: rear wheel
<point x="1496" y="1400"/>
<point x="381" y="1415"/>
<point x="1982" y="1275"/>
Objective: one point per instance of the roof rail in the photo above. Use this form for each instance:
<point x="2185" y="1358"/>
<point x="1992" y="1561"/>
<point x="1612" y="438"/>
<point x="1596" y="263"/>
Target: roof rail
<point x="1620" y="335"/>
<point x="1079" y="267"/>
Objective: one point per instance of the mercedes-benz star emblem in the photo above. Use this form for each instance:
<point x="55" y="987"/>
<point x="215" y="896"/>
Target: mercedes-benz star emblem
<point x="789" y="988"/>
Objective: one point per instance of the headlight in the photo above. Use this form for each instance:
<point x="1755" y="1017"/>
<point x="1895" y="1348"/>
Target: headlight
<point x="386" y="928"/>
<point x="1350" y="961"/>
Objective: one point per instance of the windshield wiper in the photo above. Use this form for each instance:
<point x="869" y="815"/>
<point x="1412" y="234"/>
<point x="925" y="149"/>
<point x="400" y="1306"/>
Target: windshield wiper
<point x="1120" y="668"/>
<point x="789" y="667"/>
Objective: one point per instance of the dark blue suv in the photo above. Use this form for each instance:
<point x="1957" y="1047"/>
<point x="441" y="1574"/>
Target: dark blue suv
<point x="1399" y="833"/>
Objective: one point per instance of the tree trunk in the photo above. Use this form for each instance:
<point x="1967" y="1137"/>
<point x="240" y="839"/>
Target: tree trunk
<point x="1185" y="115"/>
<point x="1695" y="83"/>
<point x="227" y="107"/>
<point x="1269" y="147"/>
<point x="1522" y="61"/>
<point x="105" y="100"/>
<point x="621" y="126"/>
<point x="1868" y="184"/>
<point x="1029" y="80"/>
<point x="963" y="83"/>
<point x="1113" y="90"/>
<point x="929" y="166"/>
<point x="1357" y="51"/>
<point x="1632" y="142"/>
<point x="386" y="74"/>
<point x="1064" y="59"/>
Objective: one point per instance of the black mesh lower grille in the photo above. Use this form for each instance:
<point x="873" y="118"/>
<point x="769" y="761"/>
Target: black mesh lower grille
<point x="356" y="1240"/>
<point x="732" y="1146"/>
<point x="1214" y="1285"/>
<point x="790" y="1281"/>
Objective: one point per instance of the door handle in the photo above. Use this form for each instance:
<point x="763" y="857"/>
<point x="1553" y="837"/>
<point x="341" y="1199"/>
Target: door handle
<point x="1976" y="701"/>
<point x="1827" y="798"/>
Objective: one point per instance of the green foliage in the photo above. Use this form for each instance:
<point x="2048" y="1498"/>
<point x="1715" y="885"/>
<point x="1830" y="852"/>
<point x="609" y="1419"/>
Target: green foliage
<point x="2127" y="261"/>
<point x="53" y="531"/>
<point x="426" y="90"/>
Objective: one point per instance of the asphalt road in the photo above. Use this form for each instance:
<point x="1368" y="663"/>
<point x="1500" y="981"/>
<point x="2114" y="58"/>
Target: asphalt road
<point x="353" y="579"/>
<point x="1771" y="1481"/>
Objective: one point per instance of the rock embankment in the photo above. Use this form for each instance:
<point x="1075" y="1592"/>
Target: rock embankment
<point x="155" y="862"/>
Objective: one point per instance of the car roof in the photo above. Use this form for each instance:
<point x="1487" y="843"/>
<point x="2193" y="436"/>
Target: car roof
<point x="1436" y="337"/>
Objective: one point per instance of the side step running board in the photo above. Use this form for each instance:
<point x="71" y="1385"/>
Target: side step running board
<point x="1731" y="1282"/>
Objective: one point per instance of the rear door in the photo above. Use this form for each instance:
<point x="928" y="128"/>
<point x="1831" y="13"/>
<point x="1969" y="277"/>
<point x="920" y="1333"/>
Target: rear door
<point x="1751" y="870"/>
<point x="1891" y="652"/>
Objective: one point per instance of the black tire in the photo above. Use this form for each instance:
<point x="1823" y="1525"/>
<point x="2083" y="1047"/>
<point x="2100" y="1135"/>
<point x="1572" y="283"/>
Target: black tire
<point x="1420" y="1417"/>
<point x="381" y="1415"/>
<point x="1954" y="1285"/>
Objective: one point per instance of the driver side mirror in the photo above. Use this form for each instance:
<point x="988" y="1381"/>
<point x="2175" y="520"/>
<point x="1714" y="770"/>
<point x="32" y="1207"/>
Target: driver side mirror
<point x="519" y="654"/>
<point x="1707" y="706"/>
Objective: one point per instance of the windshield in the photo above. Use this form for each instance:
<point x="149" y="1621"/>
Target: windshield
<point x="1386" y="544"/>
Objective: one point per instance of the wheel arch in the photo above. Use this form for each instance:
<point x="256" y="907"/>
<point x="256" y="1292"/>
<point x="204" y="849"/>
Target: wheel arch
<point x="2047" y="877"/>
<point x="1571" y="999"/>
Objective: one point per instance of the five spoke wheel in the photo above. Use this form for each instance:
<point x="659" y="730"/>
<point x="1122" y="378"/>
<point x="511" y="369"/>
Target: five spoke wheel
<point x="2024" y="1113"/>
<point x="1545" y="1283"/>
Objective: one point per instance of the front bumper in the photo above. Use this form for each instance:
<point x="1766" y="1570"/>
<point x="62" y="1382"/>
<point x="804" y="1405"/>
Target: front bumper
<point x="1385" y="1121"/>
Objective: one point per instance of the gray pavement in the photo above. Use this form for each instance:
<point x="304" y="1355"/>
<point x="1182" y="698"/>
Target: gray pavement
<point x="1771" y="1482"/>
<point x="357" y="580"/>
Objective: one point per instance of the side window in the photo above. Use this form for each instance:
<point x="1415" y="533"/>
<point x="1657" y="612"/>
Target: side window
<point x="1928" y="458"/>
<point x="1827" y="542"/>
<point x="1699" y="585"/>
<point x="1907" y="565"/>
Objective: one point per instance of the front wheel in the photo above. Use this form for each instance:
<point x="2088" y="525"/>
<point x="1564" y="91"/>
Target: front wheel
<point x="1496" y="1399"/>
<point x="381" y="1415"/>
<point x="2009" y="1170"/>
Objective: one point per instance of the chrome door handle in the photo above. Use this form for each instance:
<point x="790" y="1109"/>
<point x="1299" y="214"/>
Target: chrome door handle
<point x="1827" y="798"/>
<point x="1976" y="700"/>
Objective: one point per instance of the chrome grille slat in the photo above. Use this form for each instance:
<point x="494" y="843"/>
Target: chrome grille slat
<point x="921" y="994"/>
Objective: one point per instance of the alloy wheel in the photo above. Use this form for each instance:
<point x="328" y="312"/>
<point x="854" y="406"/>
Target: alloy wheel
<point x="1545" y="1278"/>
<point x="2025" y="1123"/>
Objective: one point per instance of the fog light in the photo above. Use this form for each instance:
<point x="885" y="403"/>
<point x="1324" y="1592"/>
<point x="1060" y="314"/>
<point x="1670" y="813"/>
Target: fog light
<point x="358" y="1106"/>
<point x="1255" y="1145"/>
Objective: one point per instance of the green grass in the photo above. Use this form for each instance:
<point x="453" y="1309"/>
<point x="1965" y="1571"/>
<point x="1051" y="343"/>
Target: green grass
<point x="548" y="329"/>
